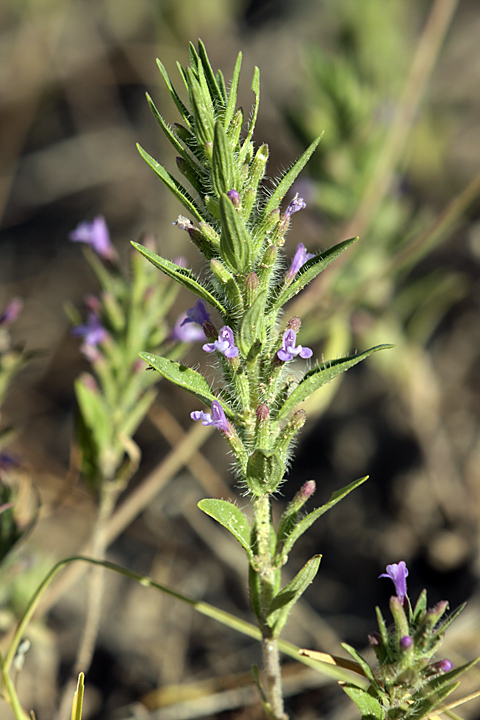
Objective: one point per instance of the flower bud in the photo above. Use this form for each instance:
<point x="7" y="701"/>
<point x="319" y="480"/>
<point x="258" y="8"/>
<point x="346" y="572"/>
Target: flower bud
<point x="294" y="324"/>
<point x="251" y="287"/>
<point x="406" y="642"/>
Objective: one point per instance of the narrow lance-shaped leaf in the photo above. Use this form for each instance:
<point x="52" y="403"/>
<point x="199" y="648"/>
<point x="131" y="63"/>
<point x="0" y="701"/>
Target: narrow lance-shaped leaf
<point x="256" y="89"/>
<point x="235" y="241"/>
<point x="232" y="518"/>
<point x="283" y="601"/>
<point x="232" y="96"/>
<point x="367" y="670"/>
<point x="173" y="185"/>
<point x="224" y="167"/>
<point x="173" y="139"/>
<point x="309" y="519"/>
<point x="289" y="178"/>
<point x="309" y="272"/>
<point x="184" y="377"/>
<point x="182" y="276"/>
<point x="215" y="90"/>
<point x="252" y="329"/>
<point x="187" y="117"/>
<point x="321" y="375"/>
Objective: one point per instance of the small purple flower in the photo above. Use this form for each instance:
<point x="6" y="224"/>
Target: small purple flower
<point x="225" y="343"/>
<point x="397" y="572"/>
<point x="294" y="206"/>
<point x="234" y="197"/>
<point x="216" y="418"/>
<point x="92" y="332"/>
<point x="96" y="234"/>
<point x="187" y="331"/>
<point x="300" y="258"/>
<point x="198" y="314"/>
<point x="289" y="351"/>
<point x="11" y="312"/>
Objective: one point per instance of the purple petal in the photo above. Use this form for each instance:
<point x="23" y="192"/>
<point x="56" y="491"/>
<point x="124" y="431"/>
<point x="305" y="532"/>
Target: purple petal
<point x="294" y="206"/>
<point x="306" y="353"/>
<point x="190" y="332"/>
<point x="398" y="572"/>
<point x="219" y="418"/>
<point x="96" y="234"/>
<point x="11" y="312"/>
<point x="198" y="314"/>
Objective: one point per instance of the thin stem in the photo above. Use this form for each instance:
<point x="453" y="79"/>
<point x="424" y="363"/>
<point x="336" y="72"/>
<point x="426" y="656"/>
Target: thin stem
<point x="271" y="657"/>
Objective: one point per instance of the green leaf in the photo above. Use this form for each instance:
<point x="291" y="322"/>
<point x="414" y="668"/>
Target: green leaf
<point x="251" y="127"/>
<point x="264" y="472"/>
<point x="283" y="601"/>
<point x="252" y="329"/>
<point x="363" y="664"/>
<point x="184" y="377"/>
<point x="309" y="271"/>
<point x="202" y="111"/>
<point x="95" y="412"/>
<point x="420" y="607"/>
<point x="232" y="518"/>
<point x="289" y="178"/>
<point x="224" y="167"/>
<point x="182" y="276"/>
<point x="174" y="95"/>
<point x="215" y="91"/>
<point x="173" y="139"/>
<point x="235" y="241"/>
<point x="173" y="185"/>
<point x="368" y="705"/>
<point x="321" y="375"/>
<point x="232" y="95"/>
<point x="309" y="519"/>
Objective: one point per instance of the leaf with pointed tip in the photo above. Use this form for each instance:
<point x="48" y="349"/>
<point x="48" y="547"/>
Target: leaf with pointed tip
<point x="184" y="377"/>
<point x="182" y="276"/>
<point x="284" y="600"/>
<point x="321" y="375"/>
<point x="224" y="167"/>
<point x="170" y="135"/>
<point x="368" y="705"/>
<point x="173" y="185"/>
<point x="251" y="127"/>
<point x="235" y="241"/>
<point x="289" y="178"/>
<point x="367" y="670"/>
<point x="232" y="518"/>
<point x="202" y="111"/>
<point x="309" y="272"/>
<point x="215" y="91"/>
<point x="186" y="115"/>
<point x="252" y="329"/>
<point x="232" y="95"/>
<point x="309" y="519"/>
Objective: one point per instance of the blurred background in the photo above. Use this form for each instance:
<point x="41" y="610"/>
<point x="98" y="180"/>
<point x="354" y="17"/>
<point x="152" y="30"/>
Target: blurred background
<point x="394" y="85"/>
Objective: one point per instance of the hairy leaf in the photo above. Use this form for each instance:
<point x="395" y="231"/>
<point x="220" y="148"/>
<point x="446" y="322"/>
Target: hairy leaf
<point x="289" y="178"/>
<point x="284" y="600"/>
<point x="232" y="518"/>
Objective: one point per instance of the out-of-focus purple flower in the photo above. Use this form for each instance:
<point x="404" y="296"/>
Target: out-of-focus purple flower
<point x="187" y="331"/>
<point x="180" y="261"/>
<point x="300" y="258"/>
<point x="92" y="332"/>
<point x="398" y="572"/>
<point x="225" y="343"/>
<point x="217" y="417"/>
<point x="96" y="234"/>
<point x="11" y="312"/>
<point x="288" y="350"/>
<point x="198" y="314"/>
<point x="294" y="206"/>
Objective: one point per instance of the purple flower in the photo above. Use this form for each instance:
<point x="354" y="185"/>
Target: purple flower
<point x="187" y="331"/>
<point x="294" y="206"/>
<point x="289" y="351"/>
<point x="406" y="642"/>
<point x="96" y="234"/>
<point x="92" y="332"/>
<point x="397" y="572"/>
<point x="216" y="418"/>
<point x="198" y="314"/>
<point x="300" y="258"/>
<point x="11" y="312"/>
<point x="225" y="343"/>
<point x="234" y="197"/>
